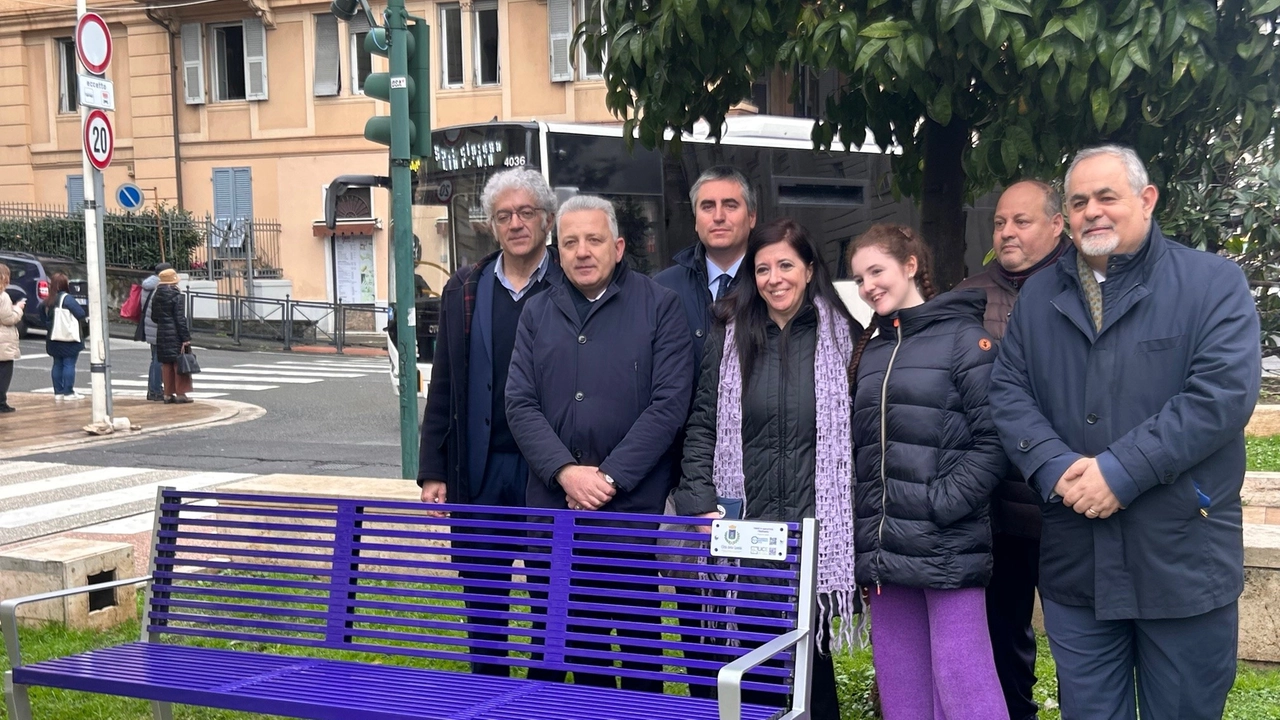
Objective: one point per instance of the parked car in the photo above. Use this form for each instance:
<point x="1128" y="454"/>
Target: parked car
<point x="31" y="272"/>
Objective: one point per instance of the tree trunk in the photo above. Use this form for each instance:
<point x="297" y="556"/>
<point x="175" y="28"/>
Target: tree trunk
<point x="942" y="219"/>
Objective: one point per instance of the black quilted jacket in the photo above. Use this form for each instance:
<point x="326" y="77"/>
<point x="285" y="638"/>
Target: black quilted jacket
<point x="926" y="452"/>
<point x="168" y="310"/>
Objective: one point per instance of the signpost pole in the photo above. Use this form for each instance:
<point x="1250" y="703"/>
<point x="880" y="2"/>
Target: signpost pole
<point x="99" y="365"/>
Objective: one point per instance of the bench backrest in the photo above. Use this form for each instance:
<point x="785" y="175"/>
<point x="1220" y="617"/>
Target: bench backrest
<point x="389" y="577"/>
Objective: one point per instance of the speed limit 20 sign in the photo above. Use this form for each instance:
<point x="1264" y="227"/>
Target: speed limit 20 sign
<point x="99" y="139"/>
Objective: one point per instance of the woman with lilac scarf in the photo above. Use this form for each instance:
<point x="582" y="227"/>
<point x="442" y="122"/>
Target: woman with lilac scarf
<point x="770" y="422"/>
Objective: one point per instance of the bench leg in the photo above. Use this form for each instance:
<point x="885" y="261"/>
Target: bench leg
<point x="15" y="699"/>
<point x="161" y="710"/>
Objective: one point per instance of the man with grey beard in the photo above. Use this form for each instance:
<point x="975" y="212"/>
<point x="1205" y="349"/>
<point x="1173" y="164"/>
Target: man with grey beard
<point x="1121" y="392"/>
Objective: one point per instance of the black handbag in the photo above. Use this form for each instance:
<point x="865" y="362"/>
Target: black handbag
<point x="187" y="363"/>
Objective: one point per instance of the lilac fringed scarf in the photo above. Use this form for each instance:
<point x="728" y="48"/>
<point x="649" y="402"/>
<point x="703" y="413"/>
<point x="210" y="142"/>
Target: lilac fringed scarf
<point x="833" y="465"/>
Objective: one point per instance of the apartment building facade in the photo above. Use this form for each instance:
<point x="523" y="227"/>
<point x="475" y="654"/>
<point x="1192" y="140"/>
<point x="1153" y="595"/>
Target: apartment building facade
<point x="242" y="109"/>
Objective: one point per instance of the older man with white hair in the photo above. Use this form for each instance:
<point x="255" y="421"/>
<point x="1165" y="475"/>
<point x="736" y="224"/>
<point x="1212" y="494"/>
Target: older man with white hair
<point x="1122" y="389"/>
<point x="467" y="452"/>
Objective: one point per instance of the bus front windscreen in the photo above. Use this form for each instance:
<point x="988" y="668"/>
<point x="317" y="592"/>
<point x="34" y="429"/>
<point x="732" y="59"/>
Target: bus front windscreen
<point x="448" y="215"/>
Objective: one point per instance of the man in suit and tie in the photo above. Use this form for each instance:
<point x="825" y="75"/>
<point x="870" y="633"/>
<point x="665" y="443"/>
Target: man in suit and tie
<point x="724" y="213"/>
<point x="467" y="453"/>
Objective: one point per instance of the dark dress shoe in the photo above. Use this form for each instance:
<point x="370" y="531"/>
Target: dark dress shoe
<point x="171" y="399"/>
<point x="182" y="399"/>
<point x="4" y="408"/>
<point x="155" y="397"/>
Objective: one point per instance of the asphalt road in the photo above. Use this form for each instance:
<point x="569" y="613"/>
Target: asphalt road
<point x="325" y="414"/>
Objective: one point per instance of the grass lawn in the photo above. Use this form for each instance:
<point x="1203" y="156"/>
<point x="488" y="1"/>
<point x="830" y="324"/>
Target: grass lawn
<point x="1256" y="695"/>
<point x="1263" y="453"/>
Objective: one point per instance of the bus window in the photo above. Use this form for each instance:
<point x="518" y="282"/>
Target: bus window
<point x="819" y="192"/>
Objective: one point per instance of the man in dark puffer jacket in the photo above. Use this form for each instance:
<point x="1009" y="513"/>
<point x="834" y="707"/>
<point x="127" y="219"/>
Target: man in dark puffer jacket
<point x="1028" y="238"/>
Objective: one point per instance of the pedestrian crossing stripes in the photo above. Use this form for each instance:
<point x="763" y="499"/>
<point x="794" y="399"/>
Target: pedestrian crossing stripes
<point x="215" y="382"/>
<point x="39" y="498"/>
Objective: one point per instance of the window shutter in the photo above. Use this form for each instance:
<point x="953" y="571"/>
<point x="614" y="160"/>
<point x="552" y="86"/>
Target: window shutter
<point x="560" y="32"/>
<point x="223" y="203"/>
<point x="75" y="194"/>
<point x="243" y="180"/>
<point x="358" y="24"/>
<point x="193" y="63"/>
<point x="243" y="187"/>
<point x="255" y="59"/>
<point x="327" y="80"/>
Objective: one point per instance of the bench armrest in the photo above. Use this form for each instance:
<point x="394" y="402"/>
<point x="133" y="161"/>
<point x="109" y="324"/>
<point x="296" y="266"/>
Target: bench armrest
<point x="729" y="680"/>
<point x="9" y="611"/>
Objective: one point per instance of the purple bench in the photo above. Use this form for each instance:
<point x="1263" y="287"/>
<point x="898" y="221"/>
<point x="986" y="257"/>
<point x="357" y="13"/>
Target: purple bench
<point x="281" y="582"/>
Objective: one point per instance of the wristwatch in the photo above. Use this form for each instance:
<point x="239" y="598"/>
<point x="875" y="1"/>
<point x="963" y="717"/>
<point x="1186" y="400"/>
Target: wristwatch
<point x="610" y="480"/>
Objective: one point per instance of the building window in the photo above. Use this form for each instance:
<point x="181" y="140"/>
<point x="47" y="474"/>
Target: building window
<point x="591" y="12"/>
<point x="485" y="41"/>
<point x="451" y="45"/>
<point x="361" y="61"/>
<point x="232" y="208"/>
<point x="68" y="77"/>
<point x="75" y="194"/>
<point x="328" y="78"/>
<point x="228" y="61"/>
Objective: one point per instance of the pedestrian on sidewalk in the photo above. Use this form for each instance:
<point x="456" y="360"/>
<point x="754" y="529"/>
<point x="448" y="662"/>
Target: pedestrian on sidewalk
<point x="146" y="332"/>
<point x="64" y="352"/>
<point x="173" y="337"/>
<point x="10" y="316"/>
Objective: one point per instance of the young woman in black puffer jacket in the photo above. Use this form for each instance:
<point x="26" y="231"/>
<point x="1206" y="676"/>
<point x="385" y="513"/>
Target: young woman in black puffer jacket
<point x="927" y="459"/>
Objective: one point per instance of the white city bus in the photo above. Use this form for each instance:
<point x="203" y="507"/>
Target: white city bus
<point x="836" y="194"/>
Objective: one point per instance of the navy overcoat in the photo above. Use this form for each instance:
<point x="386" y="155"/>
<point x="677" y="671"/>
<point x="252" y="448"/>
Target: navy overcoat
<point x="1160" y="395"/>
<point x="611" y="391"/>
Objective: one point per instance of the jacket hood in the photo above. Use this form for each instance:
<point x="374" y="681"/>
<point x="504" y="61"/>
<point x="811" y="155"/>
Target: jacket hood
<point x="947" y="306"/>
<point x="151" y="282"/>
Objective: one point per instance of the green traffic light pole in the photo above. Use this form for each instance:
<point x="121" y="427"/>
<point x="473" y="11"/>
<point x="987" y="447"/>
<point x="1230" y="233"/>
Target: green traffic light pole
<point x="408" y="133"/>
<point x="402" y="236"/>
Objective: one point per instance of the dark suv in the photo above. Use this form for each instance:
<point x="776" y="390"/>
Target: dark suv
<point x="31" y="273"/>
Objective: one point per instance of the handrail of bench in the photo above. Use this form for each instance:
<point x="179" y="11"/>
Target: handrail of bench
<point x="9" y="610"/>
<point x="729" y="679"/>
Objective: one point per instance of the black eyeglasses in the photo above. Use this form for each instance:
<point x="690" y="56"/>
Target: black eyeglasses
<point x="527" y="214"/>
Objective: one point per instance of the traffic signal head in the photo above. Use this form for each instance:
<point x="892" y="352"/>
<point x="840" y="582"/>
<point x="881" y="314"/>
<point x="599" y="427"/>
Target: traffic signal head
<point x="415" y="81"/>
<point x="345" y="9"/>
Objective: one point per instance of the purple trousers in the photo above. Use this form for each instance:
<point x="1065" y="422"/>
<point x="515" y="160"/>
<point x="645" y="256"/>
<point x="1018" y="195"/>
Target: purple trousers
<point x="932" y="654"/>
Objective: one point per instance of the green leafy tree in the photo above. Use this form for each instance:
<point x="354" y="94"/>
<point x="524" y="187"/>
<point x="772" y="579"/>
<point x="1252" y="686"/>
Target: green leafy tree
<point x="974" y="92"/>
<point x="1227" y="200"/>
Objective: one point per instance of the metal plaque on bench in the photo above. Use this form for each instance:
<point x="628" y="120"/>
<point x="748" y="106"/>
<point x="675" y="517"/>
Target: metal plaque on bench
<point x="749" y="539"/>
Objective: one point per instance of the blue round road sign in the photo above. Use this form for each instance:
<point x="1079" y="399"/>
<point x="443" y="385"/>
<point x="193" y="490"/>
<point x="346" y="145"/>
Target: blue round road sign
<point x="129" y="196"/>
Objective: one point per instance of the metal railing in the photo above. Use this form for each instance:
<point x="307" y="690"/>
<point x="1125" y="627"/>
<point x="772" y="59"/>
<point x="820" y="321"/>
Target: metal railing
<point x="286" y="321"/>
<point x="233" y="252"/>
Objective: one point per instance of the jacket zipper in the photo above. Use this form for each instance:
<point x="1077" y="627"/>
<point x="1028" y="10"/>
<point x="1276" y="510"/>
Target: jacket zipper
<point x="884" y="442"/>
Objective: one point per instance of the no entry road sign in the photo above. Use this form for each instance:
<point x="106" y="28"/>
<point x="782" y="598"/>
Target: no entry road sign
<point x="93" y="43"/>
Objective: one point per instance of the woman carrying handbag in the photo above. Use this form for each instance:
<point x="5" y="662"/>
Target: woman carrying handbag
<point x="173" y="337"/>
<point x="63" y="316"/>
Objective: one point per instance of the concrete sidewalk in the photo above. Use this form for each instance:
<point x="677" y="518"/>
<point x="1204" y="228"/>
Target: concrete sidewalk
<point x="41" y="424"/>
